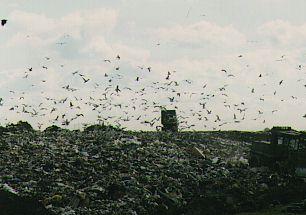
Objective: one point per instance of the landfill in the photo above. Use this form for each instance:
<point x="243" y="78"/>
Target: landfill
<point x="106" y="170"/>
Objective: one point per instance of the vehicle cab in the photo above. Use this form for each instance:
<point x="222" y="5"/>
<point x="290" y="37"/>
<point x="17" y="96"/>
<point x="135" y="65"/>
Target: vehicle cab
<point x="286" y="147"/>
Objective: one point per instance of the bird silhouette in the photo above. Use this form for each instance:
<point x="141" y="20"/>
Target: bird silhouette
<point x="117" y="89"/>
<point x="61" y="43"/>
<point x="85" y="80"/>
<point x="3" y="22"/>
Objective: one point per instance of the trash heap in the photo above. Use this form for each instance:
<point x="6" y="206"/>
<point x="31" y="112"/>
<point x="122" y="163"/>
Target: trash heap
<point x="104" y="170"/>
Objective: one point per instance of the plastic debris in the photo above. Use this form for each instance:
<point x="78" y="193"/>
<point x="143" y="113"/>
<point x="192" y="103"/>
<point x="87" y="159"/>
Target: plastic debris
<point x="104" y="170"/>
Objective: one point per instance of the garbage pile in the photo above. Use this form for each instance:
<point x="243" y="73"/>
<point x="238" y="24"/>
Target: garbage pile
<point x="104" y="170"/>
<point x="11" y="203"/>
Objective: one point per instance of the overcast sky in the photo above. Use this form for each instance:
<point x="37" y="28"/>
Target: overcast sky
<point x="230" y="64"/>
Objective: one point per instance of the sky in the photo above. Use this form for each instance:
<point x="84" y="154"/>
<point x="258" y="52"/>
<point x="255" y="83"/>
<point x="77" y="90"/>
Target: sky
<point x="237" y="65"/>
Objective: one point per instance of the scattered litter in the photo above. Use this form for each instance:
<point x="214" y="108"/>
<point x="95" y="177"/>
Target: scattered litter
<point x="104" y="170"/>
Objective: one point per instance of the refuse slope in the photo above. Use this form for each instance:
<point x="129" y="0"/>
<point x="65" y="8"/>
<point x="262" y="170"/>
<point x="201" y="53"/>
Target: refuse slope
<point x="103" y="170"/>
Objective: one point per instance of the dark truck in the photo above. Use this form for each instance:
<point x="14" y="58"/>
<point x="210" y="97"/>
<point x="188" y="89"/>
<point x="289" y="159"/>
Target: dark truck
<point x="286" y="150"/>
<point x="169" y="120"/>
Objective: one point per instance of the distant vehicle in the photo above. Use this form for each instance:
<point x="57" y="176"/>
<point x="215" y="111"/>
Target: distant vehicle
<point x="286" y="149"/>
<point x="169" y="120"/>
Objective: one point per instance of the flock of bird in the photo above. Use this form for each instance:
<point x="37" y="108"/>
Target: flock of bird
<point x="116" y="101"/>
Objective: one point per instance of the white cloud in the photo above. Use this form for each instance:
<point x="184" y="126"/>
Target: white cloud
<point x="32" y="22"/>
<point x="280" y="32"/>
<point x="21" y="40"/>
<point x="81" y="24"/>
<point x="90" y="22"/>
<point x="134" y="56"/>
<point x="202" y="32"/>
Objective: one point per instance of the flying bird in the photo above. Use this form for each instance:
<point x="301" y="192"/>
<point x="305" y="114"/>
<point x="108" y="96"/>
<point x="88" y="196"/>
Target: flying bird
<point x="85" y="80"/>
<point x="61" y="43"/>
<point x="280" y="82"/>
<point x="3" y="22"/>
<point x="117" y="89"/>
